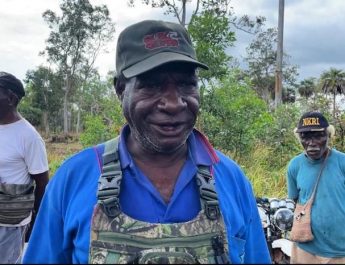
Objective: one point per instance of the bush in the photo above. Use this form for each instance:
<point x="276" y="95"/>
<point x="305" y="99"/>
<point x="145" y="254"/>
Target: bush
<point x="95" y="131"/>
<point x="233" y="116"/>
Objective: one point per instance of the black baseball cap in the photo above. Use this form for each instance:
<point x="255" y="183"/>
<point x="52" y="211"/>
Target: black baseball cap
<point x="12" y="83"/>
<point x="152" y="43"/>
<point x="312" y="121"/>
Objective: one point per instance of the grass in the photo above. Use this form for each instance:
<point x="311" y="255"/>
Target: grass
<point x="263" y="170"/>
<point x="267" y="180"/>
<point x="58" y="152"/>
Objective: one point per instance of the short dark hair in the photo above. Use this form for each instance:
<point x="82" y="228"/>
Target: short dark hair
<point x="13" y="84"/>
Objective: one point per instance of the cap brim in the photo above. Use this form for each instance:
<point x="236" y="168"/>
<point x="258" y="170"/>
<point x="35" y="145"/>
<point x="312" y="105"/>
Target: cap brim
<point x="158" y="60"/>
<point x="310" y="130"/>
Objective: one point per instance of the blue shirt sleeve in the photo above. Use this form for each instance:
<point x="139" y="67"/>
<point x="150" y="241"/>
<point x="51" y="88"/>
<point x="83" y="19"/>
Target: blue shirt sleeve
<point x="291" y="179"/>
<point x="61" y="233"/>
<point x="46" y="242"/>
<point x="246" y="237"/>
<point x="256" y="250"/>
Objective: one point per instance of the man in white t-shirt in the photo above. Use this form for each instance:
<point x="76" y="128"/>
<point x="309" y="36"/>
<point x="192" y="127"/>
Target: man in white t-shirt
<point x="23" y="163"/>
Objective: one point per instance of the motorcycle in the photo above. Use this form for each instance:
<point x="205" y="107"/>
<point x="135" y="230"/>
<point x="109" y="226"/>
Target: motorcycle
<point x="276" y="218"/>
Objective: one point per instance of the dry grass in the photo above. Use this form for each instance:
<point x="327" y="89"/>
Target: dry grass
<point x="58" y="152"/>
<point x="266" y="181"/>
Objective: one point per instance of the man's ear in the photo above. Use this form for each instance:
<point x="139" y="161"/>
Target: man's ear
<point x="331" y="131"/>
<point x="297" y="135"/>
<point x="114" y="81"/>
<point x="13" y="99"/>
<point x="119" y="87"/>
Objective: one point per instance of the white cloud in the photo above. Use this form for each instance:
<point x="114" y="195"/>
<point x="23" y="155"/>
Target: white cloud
<point x="314" y="34"/>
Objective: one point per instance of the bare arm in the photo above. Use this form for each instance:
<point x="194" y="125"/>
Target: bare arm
<point x="41" y="181"/>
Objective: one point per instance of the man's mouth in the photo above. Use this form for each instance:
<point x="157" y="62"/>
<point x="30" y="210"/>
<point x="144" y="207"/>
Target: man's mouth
<point x="313" y="149"/>
<point x="169" y="128"/>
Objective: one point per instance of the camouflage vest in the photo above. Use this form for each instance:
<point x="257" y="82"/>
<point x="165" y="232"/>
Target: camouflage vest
<point x="118" y="238"/>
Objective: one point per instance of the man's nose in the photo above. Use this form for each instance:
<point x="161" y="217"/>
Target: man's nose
<point x="172" y="99"/>
<point x="311" y="140"/>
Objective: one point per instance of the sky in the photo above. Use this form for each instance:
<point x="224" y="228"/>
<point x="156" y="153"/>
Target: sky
<point x="314" y="32"/>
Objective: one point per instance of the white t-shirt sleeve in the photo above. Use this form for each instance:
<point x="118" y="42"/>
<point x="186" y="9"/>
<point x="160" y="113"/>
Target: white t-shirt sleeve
<point x="35" y="156"/>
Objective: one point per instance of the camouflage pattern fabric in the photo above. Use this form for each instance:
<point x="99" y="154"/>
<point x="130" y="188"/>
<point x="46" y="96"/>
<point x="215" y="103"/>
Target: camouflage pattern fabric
<point x="118" y="238"/>
<point x="123" y="240"/>
<point x="16" y="202"/>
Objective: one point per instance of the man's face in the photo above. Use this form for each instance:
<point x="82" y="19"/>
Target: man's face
<point x="161" y="106"/>
<point x="314" y="143"/>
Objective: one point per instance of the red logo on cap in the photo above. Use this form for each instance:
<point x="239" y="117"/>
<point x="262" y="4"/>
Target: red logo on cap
<point x="160" y="40"/>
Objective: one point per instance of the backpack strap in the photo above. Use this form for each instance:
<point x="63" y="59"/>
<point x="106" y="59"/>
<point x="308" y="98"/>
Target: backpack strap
<point x="208" y="195"/>
<point x="110" y="180"/>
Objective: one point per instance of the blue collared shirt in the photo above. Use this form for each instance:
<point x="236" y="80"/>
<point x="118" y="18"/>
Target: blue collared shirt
<point x="62" y="229"/>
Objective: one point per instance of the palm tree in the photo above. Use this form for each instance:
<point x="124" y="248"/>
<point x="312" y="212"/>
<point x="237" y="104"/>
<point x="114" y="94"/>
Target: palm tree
<point x="333" y="82"/>
<point x="307" y="87"/>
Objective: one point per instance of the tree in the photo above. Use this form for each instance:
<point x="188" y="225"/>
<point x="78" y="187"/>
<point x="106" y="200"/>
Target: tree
<point x="234" y="116"/>
<point x="90" y="97"/>
<point x="333" y="82"/>
<point x="307" y="87"/>
<point x="211" y="36"/>
<point x="221" y="7"/>
<point x="44" y="93"/>
<point x="103" y="112"/>
<point x="75" y="40"/>
<point x="261" y="59"/>
<point x="212" y="27"/>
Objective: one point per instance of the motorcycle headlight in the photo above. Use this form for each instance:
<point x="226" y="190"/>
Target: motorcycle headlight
<point x="274" y="204"/>
<point x="283" y="219"/>
<point x="290" y="204"/>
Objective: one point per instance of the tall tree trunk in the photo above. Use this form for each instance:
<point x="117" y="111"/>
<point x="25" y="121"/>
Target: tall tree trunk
<point x="65" y="114"/>
<point x="78" y="121"/>
<point x="45" y="122"/>
<point x="65" y="104"/>
<point x="334" y="97"/>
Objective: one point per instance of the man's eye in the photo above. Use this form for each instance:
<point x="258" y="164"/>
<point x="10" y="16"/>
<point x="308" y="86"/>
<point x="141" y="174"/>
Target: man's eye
<point x="314" y="135"/>
<point x="187" y="84"/>
<point x="152" y="86"/>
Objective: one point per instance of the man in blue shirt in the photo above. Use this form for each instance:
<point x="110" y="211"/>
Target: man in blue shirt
<point x="328" y="208"/>
<point x="164" y="194"/>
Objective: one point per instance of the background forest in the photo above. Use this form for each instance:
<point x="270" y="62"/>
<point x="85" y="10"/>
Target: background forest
<point x="74" y="107"/>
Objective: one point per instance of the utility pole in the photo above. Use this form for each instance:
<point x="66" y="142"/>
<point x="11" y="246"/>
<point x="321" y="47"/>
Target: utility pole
<point x="279" y="72"/>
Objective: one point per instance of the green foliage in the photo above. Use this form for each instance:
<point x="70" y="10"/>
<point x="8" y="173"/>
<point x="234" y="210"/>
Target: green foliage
<point x="339" y="141"/>
<point x="267" y="181"/>
<point x="44" y="93"/>
<point x="95" y="131"/>
<point x="307" y="87"/>
<point x="333" y="82"/>
<point x="75" y="40"/>
<point x="104" y="124"/>
<point x="261" y="59"/>
<point x="54" y="165"/>
<point x="280" y="137"/>
<point x="32" y="114"/>
<point x="233" y="116"/>
<point x="211" y="35"/>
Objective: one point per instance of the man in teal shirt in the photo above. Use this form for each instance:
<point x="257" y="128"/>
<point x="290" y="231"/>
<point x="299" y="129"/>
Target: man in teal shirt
<point x="328" y="208"/>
